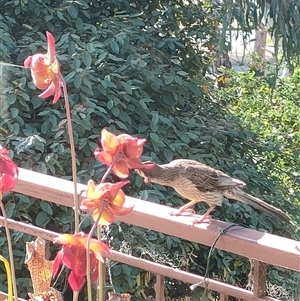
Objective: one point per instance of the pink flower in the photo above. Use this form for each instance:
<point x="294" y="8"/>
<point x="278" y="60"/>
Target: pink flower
<point x="45" y="70"/>
<point x="123" y="151"/>
<point x="106" y="200"/>
<point x="8" y="171"/>
<point x="73" y="256"/>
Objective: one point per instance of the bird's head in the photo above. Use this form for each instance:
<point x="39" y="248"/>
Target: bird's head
<point x="159" y="174"/>
<point x="150" y="173"/>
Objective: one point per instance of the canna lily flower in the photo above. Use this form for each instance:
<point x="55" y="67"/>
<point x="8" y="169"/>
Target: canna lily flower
<point x="107" y="200"/>
<point x="45" y="70"/>
<point x="122" y="152"/>
<point x="8" y="172"/>
<point x="73" y="256"/>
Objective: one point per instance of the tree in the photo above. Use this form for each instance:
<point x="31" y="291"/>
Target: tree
<point x="280" y="17"/>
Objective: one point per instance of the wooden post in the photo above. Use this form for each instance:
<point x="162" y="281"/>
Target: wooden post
<point x="159" y="288"/>
<point x="224" y="297"/>
<point x="259" y="279"/>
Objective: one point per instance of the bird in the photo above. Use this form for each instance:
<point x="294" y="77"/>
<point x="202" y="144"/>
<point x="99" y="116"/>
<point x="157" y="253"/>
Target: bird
<point x="198" y="182"/>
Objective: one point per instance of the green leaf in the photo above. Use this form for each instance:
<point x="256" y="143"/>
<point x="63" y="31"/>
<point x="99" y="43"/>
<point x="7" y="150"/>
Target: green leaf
<point x="42" y="219"/>
<point x="155" y="118"/>
<point x="154" y="137"/>
<point x="79" y="23"/>
<point x="115" y="47"/>
<point x="169" y="242"/>
<point x="182" y="73"/>
<point x="11" y="99"/>
<point x="168" y="154"/>
<point x="14" y="112"/>
<point x="9" y="209"/>
<point x="115" y="111"/>
<point x="73" y="11"/>
<point x="102" y="56"/>
<point x="45" y="206"/>
<point x="69" y="76"/>
<point x="87" y="59"/>
<point x="60" y="15"/>
<point x="71" y="47"/>
<point x="127" y="88"/>
<point x="77" y="80"/>
<point x="90" y="48"/>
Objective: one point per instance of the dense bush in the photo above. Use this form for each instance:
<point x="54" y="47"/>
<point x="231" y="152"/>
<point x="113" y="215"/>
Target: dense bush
<point x="133" y="67"/>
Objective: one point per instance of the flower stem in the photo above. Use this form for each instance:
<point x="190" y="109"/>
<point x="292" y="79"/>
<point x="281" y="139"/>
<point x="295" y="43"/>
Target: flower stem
<point x="100" y="290"/>
<point x="88" y="258"/>
<point x="12" y="275"/>
<point x="75" y="295"/>
<point x="108" y="171"/>
<point x="88" y="261"/>
<point x="73" y="154"/>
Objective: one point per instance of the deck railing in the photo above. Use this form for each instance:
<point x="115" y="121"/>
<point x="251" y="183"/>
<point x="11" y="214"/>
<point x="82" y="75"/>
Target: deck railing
<point x="262" y="248"/>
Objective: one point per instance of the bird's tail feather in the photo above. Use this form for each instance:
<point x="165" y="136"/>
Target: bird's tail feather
<point x="259" y="204"/>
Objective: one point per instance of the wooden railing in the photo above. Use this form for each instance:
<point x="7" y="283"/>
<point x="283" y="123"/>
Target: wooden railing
<point x="263" y="248"/>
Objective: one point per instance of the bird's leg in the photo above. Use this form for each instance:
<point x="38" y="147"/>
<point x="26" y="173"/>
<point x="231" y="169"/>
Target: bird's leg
<point x="185" y="208"/>
<point x="204" y="217"/>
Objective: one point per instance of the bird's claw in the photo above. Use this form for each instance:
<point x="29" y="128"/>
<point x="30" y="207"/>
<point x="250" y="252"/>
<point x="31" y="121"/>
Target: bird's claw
<point x="202" y="219"/>
<point x="179" y="212"/>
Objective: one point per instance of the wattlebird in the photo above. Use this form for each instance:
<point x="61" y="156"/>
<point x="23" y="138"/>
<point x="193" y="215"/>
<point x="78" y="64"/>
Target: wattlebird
<point x="200" y="183"/>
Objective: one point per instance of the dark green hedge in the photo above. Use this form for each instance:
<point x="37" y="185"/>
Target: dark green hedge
<point x="135" y="67"/>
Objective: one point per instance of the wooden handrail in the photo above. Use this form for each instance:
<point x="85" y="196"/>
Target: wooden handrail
<point x="150" y="266"/>
<point x="261" y="246"/>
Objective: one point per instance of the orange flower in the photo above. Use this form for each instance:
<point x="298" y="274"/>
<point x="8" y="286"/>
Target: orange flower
<point x="106" y="199"/>
<point x="45" y="70"/>
<point x="8" y="171"/>
<point x="122" y="151"/>
<point x="73" y="256"/>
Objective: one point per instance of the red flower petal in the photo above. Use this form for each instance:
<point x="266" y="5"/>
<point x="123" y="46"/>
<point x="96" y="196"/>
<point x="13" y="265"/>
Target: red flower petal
<point x="76" y="282"/>
<point x="27" y="62"/>
<point x="119" y="199"/>
<point x="107" y="217"/>
<point x="8" y="167"/>
<point x="8" y="183"/>
<point x="121" y="169"/>
<point x="99" y="248"/>
<point x="57" y="92"/>
<point x="66" y="239"/>
<point x="109" y="141"/>
<point x="56" y="263"/>
<point x="104" y="157"/>
<point x="120" y="211"/>
<point x="134" y="148"/>
<point x="49" y="91"/>
<point x="90" y="204"/>
<point x="51" y="47"/>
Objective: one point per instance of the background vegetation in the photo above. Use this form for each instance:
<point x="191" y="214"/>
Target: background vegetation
<point x="142" y="67"/>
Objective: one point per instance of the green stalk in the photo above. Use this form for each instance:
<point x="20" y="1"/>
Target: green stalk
<point x="88" y="262"/>
<point x="100" y="295"/>
<point x="88" y="258"/>
<point x="11" y="276"/>
<point x="73" y="154"/>
<point x="75" y="295"/>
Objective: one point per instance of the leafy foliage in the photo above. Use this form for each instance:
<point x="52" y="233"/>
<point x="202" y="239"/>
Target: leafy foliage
<point x="136" y="67"/>
<point x="281" y="19"/>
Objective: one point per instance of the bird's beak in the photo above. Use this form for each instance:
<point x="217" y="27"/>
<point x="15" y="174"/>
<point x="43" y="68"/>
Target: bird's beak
<point x="146" y="180"/>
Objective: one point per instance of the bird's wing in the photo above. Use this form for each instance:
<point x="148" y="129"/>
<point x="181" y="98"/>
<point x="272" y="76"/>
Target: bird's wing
<point x="206" y="178"/>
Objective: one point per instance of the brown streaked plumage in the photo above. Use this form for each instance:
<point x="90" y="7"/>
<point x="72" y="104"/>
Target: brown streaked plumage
<point x="200" y="183"/>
